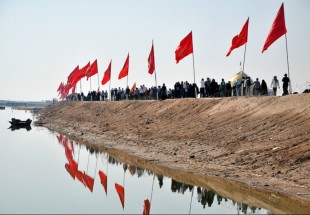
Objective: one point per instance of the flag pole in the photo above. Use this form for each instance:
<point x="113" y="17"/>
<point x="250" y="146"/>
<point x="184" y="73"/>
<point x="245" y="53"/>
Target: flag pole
<point x="190" y="205"/>
<point x="81" y="90"/>
<point x="155" y="76"/>
<point x="194" y="74"/>
<point x="124" y="187"/>
<point x="152" y="187"/>
<point x="288" y="68"/>
<point x="109" y="93"/>
<point x="80" y="85"/>
<point x="96" y="167"/>
<point x="126" y="85"/>
<point x="156" y="85"/>
<point x="110" y="83"/>
<point x="242" y="84"/>
<point x="91" y="97"/>
<point x="98" y="81"/>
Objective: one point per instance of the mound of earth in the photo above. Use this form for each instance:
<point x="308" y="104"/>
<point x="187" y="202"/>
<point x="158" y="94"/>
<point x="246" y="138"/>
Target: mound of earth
<point x="257" y="140"/>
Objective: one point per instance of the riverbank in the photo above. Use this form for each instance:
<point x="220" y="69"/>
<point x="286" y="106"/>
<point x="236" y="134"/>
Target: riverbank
<point x="261" y="141"/>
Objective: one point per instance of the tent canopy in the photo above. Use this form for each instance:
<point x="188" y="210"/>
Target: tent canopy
<point x="236" y="76"/>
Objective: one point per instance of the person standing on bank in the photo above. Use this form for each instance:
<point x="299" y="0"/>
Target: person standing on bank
<point x="285" y="81"/>
<point x="256" y="87"/>
<point x="274" y="85"/>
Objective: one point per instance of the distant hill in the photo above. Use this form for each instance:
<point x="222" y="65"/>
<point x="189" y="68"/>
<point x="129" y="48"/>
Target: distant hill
<point x="25" y="103"/>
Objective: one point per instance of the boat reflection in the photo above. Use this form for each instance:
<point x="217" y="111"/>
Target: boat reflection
<point x="205" y="197"/>
<point x="17" y="127"/>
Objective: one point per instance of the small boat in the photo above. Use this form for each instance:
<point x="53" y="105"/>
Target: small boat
<point x="2" y="108"/>
<point x="18" y="122"/>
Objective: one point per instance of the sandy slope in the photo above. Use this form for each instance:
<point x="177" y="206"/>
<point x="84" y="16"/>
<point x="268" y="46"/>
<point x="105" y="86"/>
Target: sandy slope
<point x="262" y="141"/>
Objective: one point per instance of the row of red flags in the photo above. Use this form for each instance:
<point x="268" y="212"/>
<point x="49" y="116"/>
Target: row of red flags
<point x="185" y="48"/>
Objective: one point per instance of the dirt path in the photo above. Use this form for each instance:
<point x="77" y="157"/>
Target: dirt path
<point x="262" y="141"/>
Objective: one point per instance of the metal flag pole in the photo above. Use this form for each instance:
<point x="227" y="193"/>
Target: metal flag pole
<point x="79" y="153"/>
<point x="152" y="188"/>
<point x="156" y="85"/>
<point x="152" y="192"/>
<point x="98" y="81"/>
<point x="126" y="86"/>
<point x="288" y="67"/>
<point x="91" y="96"/>
<point x="155" y="75"/>
<point x="124" y="187"/>
<point x="81" y="90"/>
<point x="190" y="206"/>
<point x="242" y="84"/>
<point x="194" y="75"/>
<point x="80" y="85"/>
<point x="88" y="162"/>
<point x="109" y="93"/>
<point x="98" y="90"/>
<point x="95" y="167"/>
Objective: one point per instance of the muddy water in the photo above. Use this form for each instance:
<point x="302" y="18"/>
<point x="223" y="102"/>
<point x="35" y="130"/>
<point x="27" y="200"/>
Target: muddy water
<point x="47" y="172"/>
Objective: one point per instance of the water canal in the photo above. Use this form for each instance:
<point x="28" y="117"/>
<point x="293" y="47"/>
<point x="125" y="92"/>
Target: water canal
<point x="46" y="172"/>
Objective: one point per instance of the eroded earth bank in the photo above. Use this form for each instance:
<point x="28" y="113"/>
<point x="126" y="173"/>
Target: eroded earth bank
<point x="261" y="141"/>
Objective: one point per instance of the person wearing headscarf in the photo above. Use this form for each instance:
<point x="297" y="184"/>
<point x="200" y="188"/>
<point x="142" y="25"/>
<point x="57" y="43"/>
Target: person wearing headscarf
<point x="274" y="85"/>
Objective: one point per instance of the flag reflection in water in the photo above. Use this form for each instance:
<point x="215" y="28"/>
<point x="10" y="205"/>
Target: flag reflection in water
<point x="205" y="197"/>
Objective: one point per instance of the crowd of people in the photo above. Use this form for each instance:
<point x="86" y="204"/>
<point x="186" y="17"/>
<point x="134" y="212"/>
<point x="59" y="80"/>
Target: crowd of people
<point x="183" y="89"/>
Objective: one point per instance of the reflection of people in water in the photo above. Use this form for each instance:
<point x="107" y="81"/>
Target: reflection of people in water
<point x="160" y="180"/>
<point x="207" y="197"/>
<point x="180" y="187"/>
<point x="199" y="194"/>
<point x="219" y="198"/>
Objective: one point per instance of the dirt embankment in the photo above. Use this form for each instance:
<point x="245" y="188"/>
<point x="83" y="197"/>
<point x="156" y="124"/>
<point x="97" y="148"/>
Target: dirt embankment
<point x="262" y="141"/>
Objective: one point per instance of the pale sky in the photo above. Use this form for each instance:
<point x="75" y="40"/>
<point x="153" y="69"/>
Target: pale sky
<point x="42" y="41"/>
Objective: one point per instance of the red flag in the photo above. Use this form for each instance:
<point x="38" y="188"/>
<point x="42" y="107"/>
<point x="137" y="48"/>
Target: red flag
<point x="107" y="75"/>
<point x="79" y="176"/>
<point x="72" y="146"/>
<point x="82" y="72"/>
<point x="72" y="75"/>
<point x="69" y="169"/>
<point x="73" y="89"/>
<point x="185" y="48"/>
<point x="93" y="69"/>
<point x="104" y="180"/>
<point x="147" y="207"/>
<point x="59" y="138"/>
<point x="89" y="181"/>
<point x="240" y="39"/>
<point x="60" y="87"/>
<point x="121" y="193"/>
<point x="277" y="29"/>
<point x="68" y="153"/>
<point x="64" y="92"/>
<point x="151" y="61"/>
<point x="124" y="72"/>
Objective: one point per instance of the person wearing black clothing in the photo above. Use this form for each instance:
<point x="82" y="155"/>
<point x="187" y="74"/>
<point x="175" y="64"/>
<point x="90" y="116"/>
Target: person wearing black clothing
<point x="208" y="87"/>
<point x="285" y="81"/>
<point x="127" y="92"/>
<point x="213" y="87"/>
<point x="163" y="92"/>
<point x="264" y="90"/>
<point x="228" y="89"/>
